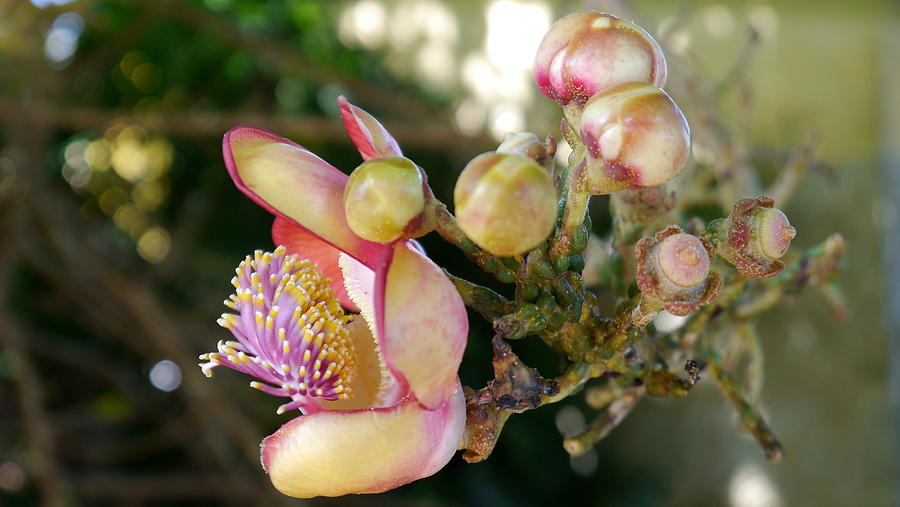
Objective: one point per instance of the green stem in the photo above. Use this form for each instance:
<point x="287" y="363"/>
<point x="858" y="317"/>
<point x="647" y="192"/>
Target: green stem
<point x="568" y="239"/>
<point x="447" y="227"/>
<point x="608" y="420"/>
<point x="751" y="419"/>
<point x="488" y="303"/>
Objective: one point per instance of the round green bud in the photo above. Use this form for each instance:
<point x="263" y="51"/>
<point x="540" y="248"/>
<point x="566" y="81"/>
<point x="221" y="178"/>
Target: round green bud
<point x="385" y="198"/>
<point x="505" y="202"/>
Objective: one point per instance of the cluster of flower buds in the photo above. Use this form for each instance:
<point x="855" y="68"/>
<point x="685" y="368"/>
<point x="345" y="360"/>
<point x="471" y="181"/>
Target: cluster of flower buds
<point x="673" y="271"/>
<point x="607" y="73"/>
<point x="755" y="237"/>
<point x="388" y="198"/>
<point x="505" y="202"/>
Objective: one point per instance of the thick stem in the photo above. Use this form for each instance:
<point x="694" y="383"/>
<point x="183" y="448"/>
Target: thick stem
<point x="576" y="204"/>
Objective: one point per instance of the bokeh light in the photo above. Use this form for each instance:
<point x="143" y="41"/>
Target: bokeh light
<point x="165" y="375"/>
<point x="750" y="486"/>
<point x="61" y="40"/>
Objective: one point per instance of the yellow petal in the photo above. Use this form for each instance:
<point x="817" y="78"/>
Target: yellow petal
<point x="363" y="451"/>
<point x="290" y="181"/>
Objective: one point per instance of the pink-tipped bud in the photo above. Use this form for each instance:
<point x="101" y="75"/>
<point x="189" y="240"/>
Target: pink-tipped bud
<point x="386" y="199"/>
<point x="674" y="270"/>
<point x="588" y="52"/>
<point x="505" y="203"/>
<point x="755" y="237"/>
<point x="635" y="136"/>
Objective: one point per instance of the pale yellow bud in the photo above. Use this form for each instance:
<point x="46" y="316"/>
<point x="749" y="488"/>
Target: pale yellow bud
<point x="385" y="199"/>
<point x="505" y="203"/>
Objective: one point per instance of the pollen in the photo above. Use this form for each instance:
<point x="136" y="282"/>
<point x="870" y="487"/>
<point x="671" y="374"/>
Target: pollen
<point x="287" y="316"/>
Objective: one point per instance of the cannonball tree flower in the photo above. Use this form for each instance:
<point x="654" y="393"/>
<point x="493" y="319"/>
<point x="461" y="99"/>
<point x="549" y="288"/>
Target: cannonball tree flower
<point x="378" y="391"/>
<point x="589" y="52"/>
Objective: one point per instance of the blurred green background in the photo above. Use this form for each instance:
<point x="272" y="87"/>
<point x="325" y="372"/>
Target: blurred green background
<point x="119" y="229"/>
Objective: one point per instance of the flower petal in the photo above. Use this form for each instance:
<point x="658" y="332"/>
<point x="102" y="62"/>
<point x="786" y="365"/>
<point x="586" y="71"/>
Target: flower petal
<point x="291" y="182"/>
<point x="307" y="245"/>
<point x="363" y="451"/>
<point x="360" y="284"/>
<point x="372" y="384"/>
<point x="370" y="137"/>
<point x="425" y="324"/>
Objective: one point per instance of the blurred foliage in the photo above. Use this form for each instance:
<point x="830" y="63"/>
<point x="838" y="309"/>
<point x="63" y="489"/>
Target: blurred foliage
<point x="120" y="229"/>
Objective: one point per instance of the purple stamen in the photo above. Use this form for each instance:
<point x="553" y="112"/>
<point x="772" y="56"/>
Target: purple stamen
<point x="290" y="329"/>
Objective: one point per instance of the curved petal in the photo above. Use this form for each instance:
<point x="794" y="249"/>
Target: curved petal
<point x="291" y="182"/>
<point x="425" y="324"/>
<point x="363" y="451"/>
<point x="370" y="137"/>
<point x="360" y="283"/>
<point x="307" y="245"/>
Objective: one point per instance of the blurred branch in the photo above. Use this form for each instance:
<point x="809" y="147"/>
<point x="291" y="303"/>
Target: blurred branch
<point x="174" y="486"/>
<point x="783" y="188"/>
<point x="26" y="377"/>
<point x="428" y="134"/>
<point x="34" y="414"/>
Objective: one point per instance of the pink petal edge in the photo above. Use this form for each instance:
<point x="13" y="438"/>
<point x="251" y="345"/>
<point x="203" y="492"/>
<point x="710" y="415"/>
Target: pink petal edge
<point x="327" y="201"/>
<point x="368" y="134"/>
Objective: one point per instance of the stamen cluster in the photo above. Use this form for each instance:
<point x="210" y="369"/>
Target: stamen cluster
<point x="291" y="331"/>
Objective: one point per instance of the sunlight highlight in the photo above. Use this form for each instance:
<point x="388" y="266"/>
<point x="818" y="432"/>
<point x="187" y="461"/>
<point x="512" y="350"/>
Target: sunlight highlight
<point x="751" y="487"/>
<point x="515" y="30"/>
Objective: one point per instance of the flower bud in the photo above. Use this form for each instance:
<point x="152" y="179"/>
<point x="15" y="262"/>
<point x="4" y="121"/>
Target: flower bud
<point x="386" y="199"/>
<point x="635" y="136"/>
<point x="528" y="144"/>
<point x="673" y="270"/>
<point x="588" y="52"/>
<point x="505" y="203"/>
<point x="755" y="237"/>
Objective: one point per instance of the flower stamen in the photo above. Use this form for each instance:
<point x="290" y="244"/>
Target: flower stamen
<point x="290" y="329"/>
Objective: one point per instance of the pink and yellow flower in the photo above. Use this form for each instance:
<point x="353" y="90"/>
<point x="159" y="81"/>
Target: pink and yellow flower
<point x="379" y="394"/>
